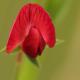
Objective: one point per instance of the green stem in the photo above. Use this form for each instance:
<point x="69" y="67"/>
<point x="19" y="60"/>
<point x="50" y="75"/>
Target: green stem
<point x="59" y="41"/>
<point x="3" y="49"/>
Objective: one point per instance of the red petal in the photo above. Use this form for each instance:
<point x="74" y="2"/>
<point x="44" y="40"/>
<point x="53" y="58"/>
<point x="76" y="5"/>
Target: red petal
<point x="20" y="29"/>
<point x="41" y="45"/>
<point x="42" y="21"/>
<point x="31" y="43"/>
<point x="31" y="15"/>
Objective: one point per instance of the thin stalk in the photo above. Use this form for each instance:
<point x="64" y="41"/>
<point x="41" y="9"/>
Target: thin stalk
<point x="3" y="50"/>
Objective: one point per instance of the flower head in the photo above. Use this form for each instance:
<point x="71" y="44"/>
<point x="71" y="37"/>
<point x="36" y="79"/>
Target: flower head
<point x="32" y="30"/>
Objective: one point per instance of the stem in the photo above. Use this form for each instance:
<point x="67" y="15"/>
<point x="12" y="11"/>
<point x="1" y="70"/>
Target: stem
<point x="59" y="41"/>
<point x="3" y="49"/>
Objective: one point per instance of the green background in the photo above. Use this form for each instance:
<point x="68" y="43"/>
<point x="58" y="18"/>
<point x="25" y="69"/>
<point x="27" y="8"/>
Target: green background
<point x="59" y="63"/>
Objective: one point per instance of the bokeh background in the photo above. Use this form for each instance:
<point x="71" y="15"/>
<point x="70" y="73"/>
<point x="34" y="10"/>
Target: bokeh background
<point x="59" y="63"/>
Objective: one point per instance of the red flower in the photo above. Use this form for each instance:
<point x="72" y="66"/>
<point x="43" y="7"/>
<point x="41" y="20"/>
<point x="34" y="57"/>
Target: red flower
<point x="32" y="30"/>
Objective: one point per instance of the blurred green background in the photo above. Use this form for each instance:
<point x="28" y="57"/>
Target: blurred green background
<point x="59" y="63"/>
